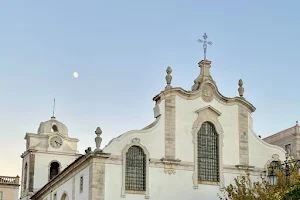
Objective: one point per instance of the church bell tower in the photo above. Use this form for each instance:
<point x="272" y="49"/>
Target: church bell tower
<point x="48" y="152"/>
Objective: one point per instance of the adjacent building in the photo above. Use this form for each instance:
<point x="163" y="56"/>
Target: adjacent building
<point x="288" y="139"/>
<point x="9" y="187"/>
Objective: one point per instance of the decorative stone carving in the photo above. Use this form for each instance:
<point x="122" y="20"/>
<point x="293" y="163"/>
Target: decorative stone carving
<point x="136" y="140"/>
<point x="196" y="85"/>
<point x="170" y="165"/>
<point x="275" y="157"/>
<point x="241" y="89"/>
<point x="98" y="139"/>
<point x="168" y="78"/>
<point x="207" y="93"/>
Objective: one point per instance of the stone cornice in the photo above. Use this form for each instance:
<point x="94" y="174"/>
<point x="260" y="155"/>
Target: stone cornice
<point x="183" y="165"/>
<point x="35" y="135"/>
<point x="27" y="152"/>
<point x="48" y="152"/>
<point x="190" y="95"/>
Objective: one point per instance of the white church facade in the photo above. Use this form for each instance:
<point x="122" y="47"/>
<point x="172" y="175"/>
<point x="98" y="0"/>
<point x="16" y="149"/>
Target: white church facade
<point x="199" y="142"/>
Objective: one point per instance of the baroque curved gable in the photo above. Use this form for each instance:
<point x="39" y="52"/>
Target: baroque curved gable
<point x="208" y="92"/>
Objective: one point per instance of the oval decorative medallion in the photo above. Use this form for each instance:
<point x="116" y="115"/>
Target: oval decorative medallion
<point x="207" y="93"/>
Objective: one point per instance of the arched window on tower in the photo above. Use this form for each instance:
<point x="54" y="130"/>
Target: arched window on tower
<point x="54" y="128"/>
<point x="135" y="170"/>
<point x="208" y="153"/>
<point x="25" y="176"/>
<point x="54" y="169"/>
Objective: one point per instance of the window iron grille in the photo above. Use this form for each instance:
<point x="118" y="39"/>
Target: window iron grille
<point x="135" y="173"/>
<point x="208" y="153"/>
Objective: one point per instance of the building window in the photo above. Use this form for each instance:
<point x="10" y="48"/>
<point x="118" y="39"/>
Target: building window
<point x="65" y="197"/>
<point x="54" y="170"/>
<point x="135" y="171"/>
<point x="288" y="148"/>
<point x="54" y="128"/>
<point x="55" y="196"/>
<point x="81" y="184"/>
<point x="25" y="176"/>
<point x="208" y="153"/>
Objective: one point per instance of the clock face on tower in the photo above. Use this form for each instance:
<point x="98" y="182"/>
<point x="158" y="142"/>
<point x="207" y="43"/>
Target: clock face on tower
<point x="56" y="142"/>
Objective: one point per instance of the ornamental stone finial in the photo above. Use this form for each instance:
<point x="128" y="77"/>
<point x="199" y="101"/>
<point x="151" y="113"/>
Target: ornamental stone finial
<point x="168" y="78"/>
<point x="241" y="89"/>
<point x="98" y="139"/>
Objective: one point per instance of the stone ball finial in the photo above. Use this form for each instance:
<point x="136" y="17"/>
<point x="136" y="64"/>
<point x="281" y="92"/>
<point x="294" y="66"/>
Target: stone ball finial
<point x="98" y="139"/>
<point x="98" y="131"/>
<point x="168" y="78"/>
<point x="241" y="88"/>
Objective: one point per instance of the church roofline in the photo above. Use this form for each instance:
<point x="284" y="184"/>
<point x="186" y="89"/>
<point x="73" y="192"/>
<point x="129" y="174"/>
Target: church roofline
<point x="147" y="129"/>
<point x="278" y="133"/>
<point x="190" y="95"/>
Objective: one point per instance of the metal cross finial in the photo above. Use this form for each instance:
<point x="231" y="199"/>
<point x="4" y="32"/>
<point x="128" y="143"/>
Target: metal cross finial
<point x="53" y="108"/>
<point x="205" y="43"/>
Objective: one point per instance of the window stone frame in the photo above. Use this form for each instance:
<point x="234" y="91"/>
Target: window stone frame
<point x="275" y="158"/>
<point x="64" y="196"/>
<point x="135" y="142"/>
<point x="49" y="167"/>
<point x="208" y="114"/>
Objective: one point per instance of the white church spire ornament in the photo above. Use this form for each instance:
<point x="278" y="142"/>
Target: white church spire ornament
<point x="205" y="43"/>
<point x="98" y="139"/>
<point x="168" y="78"/>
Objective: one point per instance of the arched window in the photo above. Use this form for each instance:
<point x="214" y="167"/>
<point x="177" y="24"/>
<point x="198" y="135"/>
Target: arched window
<point x="54" y="128"/>
<point x="54" y="170"/>
<point x="135" y="170"/>
<point x="65" y="197"/>
<point x="208" y="153"/>
<point x="274" y="165"/>
<point x="25" y="176"/>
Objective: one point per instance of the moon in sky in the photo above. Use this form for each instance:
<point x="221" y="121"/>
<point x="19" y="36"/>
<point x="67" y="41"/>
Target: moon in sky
<point x="75" y="74"/>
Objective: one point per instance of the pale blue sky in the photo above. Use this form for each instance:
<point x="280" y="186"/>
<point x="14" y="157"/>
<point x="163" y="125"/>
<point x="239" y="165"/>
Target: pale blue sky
<point x="121" y="50"/>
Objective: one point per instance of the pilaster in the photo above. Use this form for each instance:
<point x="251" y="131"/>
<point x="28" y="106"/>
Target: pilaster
<point x="31" y="171"/>
<point x="170" y="127"/>
<point x="243" y="136"/>
<point x="97" y="176"/>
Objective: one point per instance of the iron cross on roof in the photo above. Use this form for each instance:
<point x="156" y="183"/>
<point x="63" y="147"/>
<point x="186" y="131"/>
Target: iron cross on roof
<point x="205" y="43"/>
